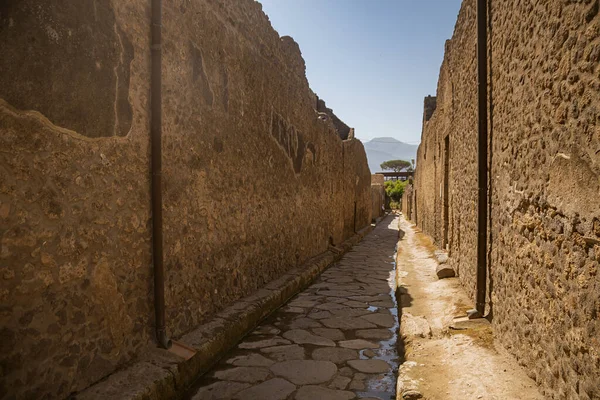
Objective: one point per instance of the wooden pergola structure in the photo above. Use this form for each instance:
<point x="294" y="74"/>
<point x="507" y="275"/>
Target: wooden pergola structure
<point x="395" y="176"/>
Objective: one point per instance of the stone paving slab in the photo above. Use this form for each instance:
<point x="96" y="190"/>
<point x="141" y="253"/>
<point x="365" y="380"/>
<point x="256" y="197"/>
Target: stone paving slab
<point x="335" y="340"/>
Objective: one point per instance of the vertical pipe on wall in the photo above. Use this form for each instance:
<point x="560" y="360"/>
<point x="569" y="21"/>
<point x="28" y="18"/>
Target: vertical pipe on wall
<point x="156" y="159"/>
<point x="482" y="155"/>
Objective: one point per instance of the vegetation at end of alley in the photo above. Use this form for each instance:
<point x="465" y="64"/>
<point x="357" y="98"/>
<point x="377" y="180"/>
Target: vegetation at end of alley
<point x="395" y="190"/>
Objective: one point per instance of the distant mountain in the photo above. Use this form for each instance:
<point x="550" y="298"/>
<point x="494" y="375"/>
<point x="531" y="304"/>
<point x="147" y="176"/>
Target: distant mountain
<point x="384" y="149"/>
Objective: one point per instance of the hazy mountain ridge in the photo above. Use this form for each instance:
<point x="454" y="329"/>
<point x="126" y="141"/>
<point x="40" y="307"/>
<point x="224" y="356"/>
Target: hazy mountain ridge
<point x="384" y="149"/>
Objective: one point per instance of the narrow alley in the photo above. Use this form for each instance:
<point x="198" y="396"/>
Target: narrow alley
<point x="335" y="340"/>
<point x="300" y="200"/>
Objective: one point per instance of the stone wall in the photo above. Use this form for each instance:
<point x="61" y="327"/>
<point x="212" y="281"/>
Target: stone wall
<point x="254" y="183"/>
<point x="406" y="204"/>
<point x="544" y="158"/>
<point x="342" y="128"/>
<point x="377" y="195"/>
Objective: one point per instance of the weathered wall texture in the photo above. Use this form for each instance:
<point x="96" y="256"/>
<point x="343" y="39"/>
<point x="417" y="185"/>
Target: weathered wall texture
<point x="377" y="195"/>
<point x="544" y="182"/>
<point x="342" y="128"/>
<point x="254" y="182"/>
<point x="406" y="202"/>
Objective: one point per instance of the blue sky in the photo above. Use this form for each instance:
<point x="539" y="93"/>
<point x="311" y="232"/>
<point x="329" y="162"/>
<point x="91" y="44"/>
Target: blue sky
<point x="372" y="61"/>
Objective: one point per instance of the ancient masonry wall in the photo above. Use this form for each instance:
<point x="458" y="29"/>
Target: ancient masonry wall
<point x="254" y="182"/>
<point x="377" y="195"/>
<point x="342" y="128"/>
<point x="544" y="235"/>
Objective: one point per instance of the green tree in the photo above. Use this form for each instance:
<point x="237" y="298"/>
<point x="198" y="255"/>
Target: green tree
<point x="395" y="165"/>
<point x="395" y="189"/>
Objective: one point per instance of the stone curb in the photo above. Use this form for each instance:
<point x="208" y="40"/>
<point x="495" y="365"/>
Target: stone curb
<point x="411" y="329"/>
<point x="160" y="374"/>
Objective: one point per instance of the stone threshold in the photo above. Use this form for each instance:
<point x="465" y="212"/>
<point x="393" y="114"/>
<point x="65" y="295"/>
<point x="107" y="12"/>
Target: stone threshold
<point x="161" y="374"/>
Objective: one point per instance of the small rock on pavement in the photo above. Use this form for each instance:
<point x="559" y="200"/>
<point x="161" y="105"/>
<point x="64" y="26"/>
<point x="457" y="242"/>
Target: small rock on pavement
<point x="321" y="393"/>
<point x="274" y="389"/>
<point x="305" y="372"/>
<point x="369" y="353"/>
<point x="444" y="271"/>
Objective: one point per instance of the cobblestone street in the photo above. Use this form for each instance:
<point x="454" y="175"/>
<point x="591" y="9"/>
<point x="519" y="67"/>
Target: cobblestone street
<point x="335" y="340"/>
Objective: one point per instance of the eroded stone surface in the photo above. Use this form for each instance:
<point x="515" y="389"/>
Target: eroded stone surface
<point x="301" y="336"/>
<point x="305" y="372"/>
<point x="304" y="323"/>
<point x="243" y="374"/>
<point x="250" y="360"/>
<point x="358" y="382"/>
<point x="340" y="382"/>
<point x="333" y="334"/>
<point x="374" y="334"/>
<point x="266" y="330"/>
<point x="350" y="312"/>
<point x="330" y="306"/>
<point x="347" y="324"/>
<point x="370" y="366"/>
<point x="263" y="343"/>
<point x="320" y="315"/>
<point x="219" y="390"/>
<point x="385" y="320"/>
<point x="282" y="353"/>
<point x="336" y="355"/>
<point x="320" y="393"/>
<point x="358" y="344"/>
<point x="274" y="389"/>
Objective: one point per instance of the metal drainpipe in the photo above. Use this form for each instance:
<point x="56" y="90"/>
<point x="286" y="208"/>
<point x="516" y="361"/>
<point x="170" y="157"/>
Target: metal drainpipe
<point x="482" y="176"/>
<point x="156" y="136"/>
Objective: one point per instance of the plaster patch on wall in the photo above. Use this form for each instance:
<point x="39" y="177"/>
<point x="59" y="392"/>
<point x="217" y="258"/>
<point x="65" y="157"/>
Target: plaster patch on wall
<point x="199" y="75"/>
